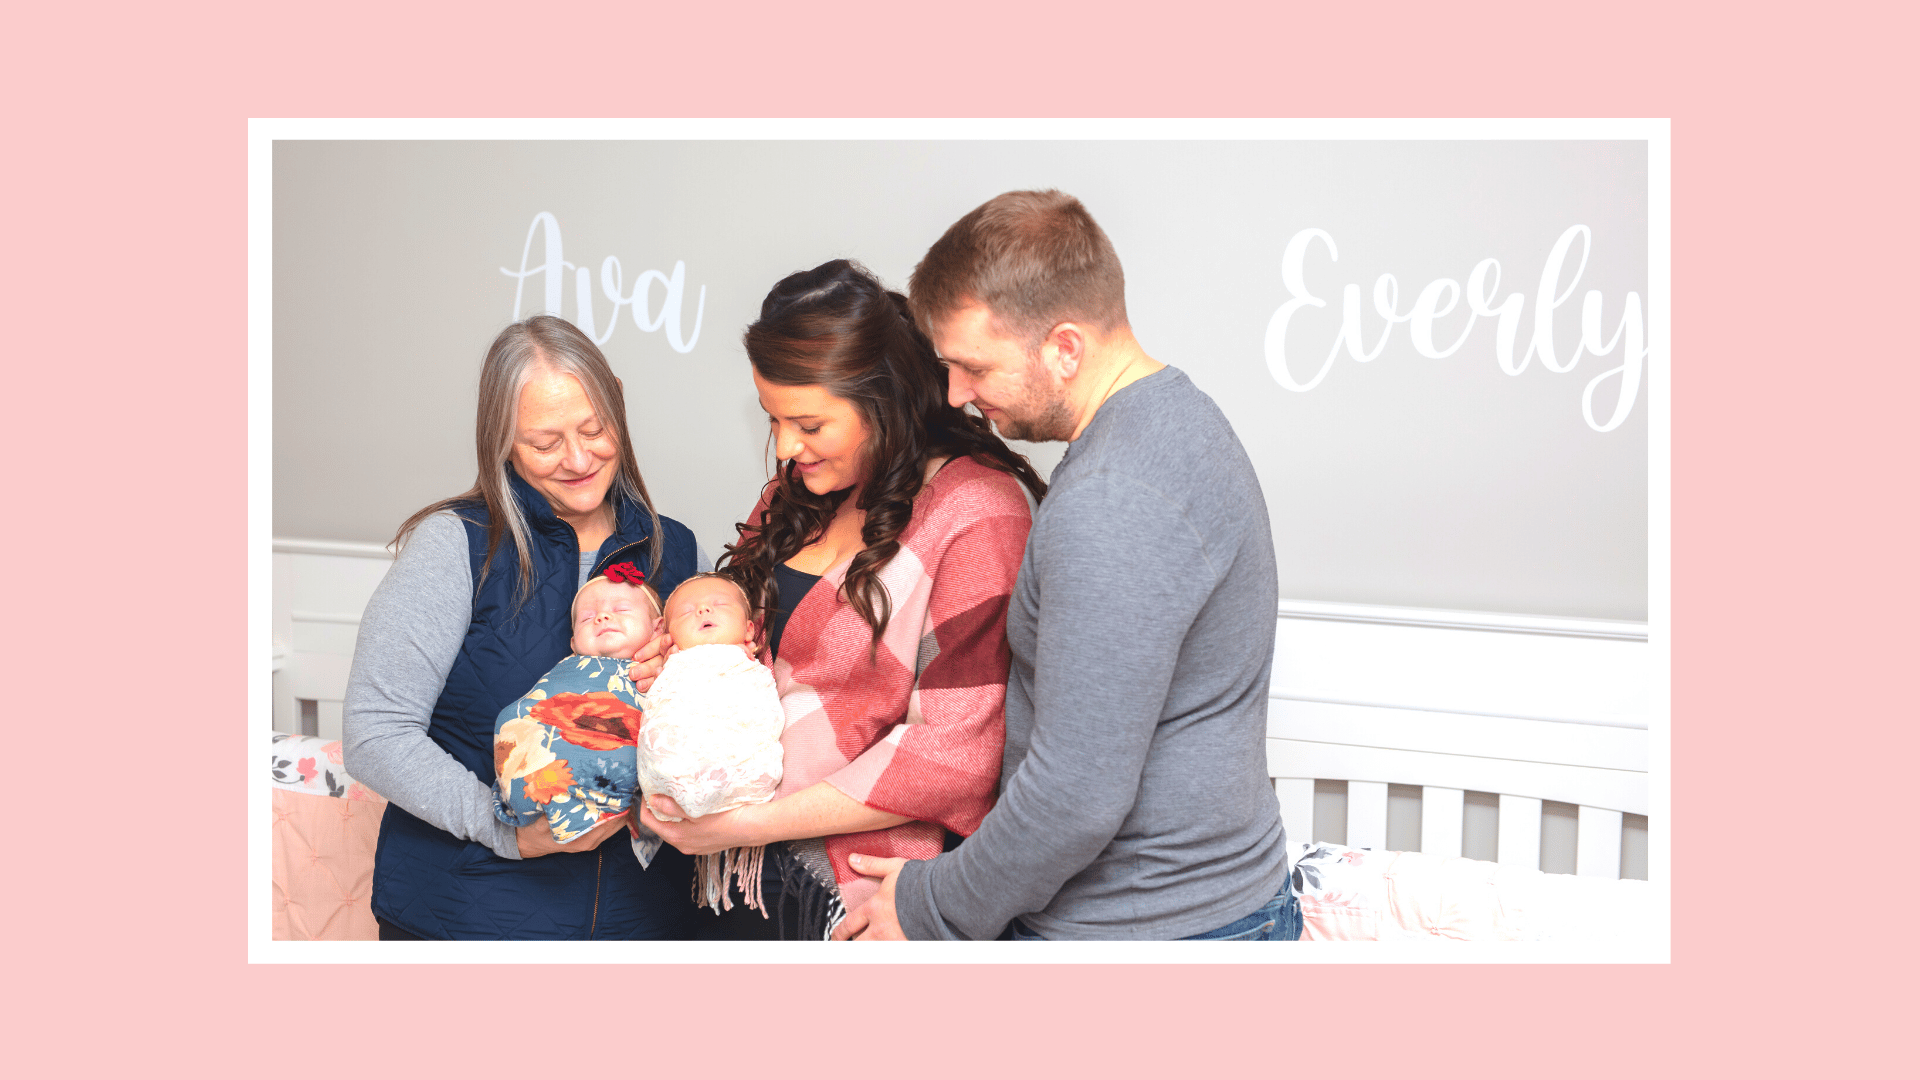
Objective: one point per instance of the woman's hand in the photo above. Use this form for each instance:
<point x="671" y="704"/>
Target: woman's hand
<point x="537" y="839"/>
<point x="702" y="836"/>
<point x="651" y="658"/>
<point x="819" y="810"/>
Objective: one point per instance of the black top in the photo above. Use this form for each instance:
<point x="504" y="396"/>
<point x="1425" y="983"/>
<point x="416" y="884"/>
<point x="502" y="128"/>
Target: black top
<point x="789" y="585"/>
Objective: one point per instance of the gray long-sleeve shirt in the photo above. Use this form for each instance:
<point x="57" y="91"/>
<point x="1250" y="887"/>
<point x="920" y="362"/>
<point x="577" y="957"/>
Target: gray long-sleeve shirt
<point x="410" y="634"/>
<point x="1134" y="802"/>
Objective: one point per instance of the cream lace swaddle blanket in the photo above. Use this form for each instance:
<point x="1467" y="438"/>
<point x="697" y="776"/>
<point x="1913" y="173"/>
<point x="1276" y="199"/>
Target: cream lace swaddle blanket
<point x="711" y="742"/>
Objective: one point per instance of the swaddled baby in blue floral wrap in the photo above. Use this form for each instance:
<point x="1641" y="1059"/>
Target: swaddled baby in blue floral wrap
<point x="565" y="750"/>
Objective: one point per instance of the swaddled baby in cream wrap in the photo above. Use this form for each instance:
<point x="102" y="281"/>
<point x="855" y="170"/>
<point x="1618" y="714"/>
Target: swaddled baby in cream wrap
<point x="711" y="739"/>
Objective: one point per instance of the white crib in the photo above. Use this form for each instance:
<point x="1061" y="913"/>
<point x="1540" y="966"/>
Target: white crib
<point x="1464" y="712"/>
<point x="1519" y="739"/>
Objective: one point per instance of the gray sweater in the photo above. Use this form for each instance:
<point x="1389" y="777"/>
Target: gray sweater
<point x="410" y="634"/>
<point x="1134" y="798"/>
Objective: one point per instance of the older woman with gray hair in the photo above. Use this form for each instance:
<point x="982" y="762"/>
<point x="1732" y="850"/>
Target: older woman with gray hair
<point x="473" y="612"/>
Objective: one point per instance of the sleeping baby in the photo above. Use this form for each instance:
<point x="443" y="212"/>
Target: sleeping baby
<point x="564" y="750"/>
<point x="576" y="747"/>
<point x="711" y="741"/>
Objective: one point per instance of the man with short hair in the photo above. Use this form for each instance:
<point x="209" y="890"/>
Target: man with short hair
<point x="1134" y="799"/>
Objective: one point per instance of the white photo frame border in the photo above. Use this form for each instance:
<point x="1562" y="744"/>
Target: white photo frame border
<point x="262" y="133"/>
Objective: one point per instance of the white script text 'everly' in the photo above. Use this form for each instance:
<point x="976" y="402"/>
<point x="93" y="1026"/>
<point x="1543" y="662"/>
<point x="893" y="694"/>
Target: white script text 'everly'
<point x="1439" y="299"/>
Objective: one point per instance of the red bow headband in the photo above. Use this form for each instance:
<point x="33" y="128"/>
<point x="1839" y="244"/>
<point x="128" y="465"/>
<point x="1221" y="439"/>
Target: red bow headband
<point x="625" y="573"/>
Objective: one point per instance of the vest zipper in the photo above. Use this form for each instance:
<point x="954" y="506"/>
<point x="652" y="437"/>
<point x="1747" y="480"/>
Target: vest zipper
<point x="599" y="860"/>
<point x="600" y="855"/>
<point x="602" y="562"/>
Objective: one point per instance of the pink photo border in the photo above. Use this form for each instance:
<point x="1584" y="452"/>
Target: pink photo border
<point x="1789" y="195"/>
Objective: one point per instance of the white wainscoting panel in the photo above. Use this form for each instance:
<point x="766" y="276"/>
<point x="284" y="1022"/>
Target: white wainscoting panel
<point x="320" y="587"/>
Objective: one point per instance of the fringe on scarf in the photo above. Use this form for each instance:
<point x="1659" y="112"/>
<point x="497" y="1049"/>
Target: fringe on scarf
<point x="742" y="865"/>
<point x="818" y="909"/>
<point x="803" y="908"/>
<point x="808" y="890"/>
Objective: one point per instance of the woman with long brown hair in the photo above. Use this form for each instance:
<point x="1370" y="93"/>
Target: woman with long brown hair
<point x="474" y="610"/>
<point x="883" y="554"/>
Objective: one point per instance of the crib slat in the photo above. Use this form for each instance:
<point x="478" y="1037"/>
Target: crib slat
<point x="1442" y="812"/>
<point x="1296" y="807"/>
<point x="1367" y="814"/>
<point x="1596" y="851"/>
<point x="1519" y="843"/>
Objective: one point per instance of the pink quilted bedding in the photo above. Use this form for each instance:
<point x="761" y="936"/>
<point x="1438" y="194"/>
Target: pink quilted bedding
<point x="324" y="827"/>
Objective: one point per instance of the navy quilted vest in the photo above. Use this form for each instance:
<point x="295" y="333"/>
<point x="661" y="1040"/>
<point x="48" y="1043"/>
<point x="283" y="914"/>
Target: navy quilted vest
<point x="438" y="886"/>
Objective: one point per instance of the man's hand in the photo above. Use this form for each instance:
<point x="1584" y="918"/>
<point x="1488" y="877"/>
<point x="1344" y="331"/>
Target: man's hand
<point x="537" y="839"/>
<point x="876" y="920"/>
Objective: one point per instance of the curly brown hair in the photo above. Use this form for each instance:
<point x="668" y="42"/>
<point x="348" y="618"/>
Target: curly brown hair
<point x="838" y="328"/>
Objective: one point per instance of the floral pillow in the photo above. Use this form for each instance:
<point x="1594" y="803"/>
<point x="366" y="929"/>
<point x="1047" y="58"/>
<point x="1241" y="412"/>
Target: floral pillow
<point x="310" y="764"/>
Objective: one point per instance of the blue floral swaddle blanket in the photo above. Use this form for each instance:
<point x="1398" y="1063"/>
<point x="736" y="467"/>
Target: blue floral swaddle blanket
<point x="565" y="750"/>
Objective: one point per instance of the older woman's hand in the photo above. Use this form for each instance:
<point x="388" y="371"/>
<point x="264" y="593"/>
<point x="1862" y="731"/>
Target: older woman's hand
<point x="701" y="836"/>
<point x="651" y="658"/>
<point x="537" y="839"/>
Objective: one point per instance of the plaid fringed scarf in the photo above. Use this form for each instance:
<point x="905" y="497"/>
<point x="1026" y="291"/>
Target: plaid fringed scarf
<point x="918" y="730"/>
<point x="711" y="873"/>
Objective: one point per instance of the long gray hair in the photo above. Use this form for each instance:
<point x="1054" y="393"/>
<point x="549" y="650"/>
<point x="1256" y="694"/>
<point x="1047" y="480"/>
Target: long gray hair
<point x="541" y="343"/>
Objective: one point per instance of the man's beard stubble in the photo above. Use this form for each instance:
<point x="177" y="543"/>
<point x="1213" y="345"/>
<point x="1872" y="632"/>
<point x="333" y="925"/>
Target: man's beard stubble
<point x="1054" y="424"/>
<point x="1042" y="418"/>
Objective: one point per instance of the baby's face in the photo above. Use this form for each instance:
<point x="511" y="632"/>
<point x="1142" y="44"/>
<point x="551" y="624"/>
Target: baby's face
<point x="611" y="619"/>
<point x="708" y="611"/>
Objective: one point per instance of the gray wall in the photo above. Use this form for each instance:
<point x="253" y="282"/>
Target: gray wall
<point x="1403" y="480"/>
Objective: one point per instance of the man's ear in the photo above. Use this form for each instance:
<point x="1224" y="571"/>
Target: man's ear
<point x="1065" y="346"/>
